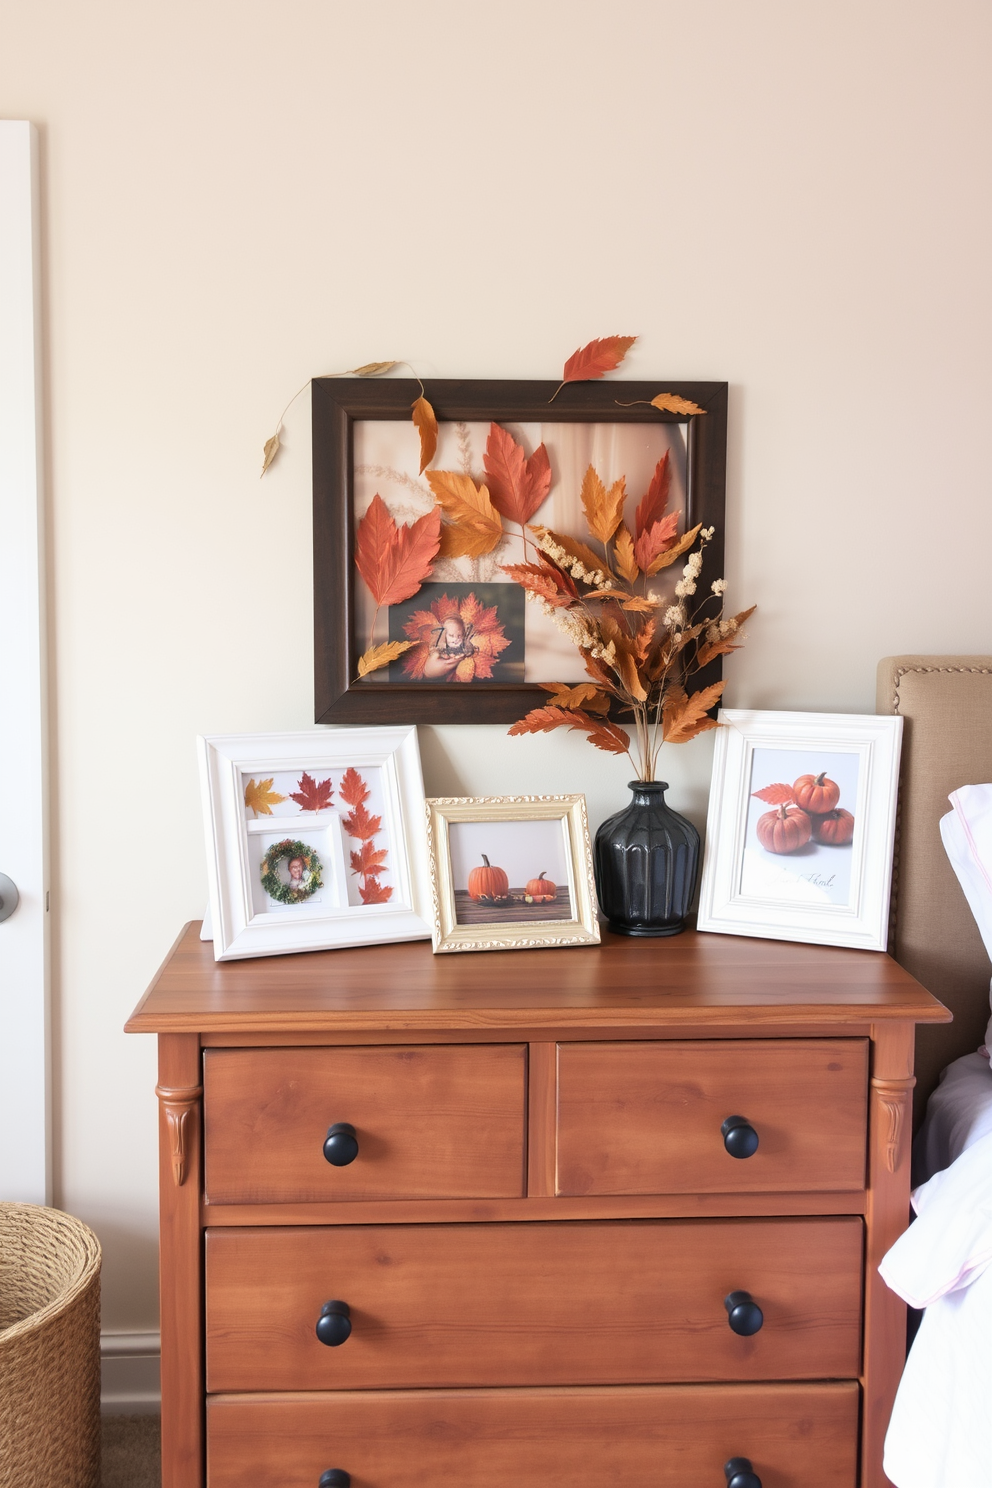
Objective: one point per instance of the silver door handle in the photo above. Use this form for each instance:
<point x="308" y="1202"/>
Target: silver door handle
<point x="9" y="897"/>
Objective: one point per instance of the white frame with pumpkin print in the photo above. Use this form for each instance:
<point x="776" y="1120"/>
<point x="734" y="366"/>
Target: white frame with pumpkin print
<point x="358" y="804"/>
<point x="818" y="868"/>
<point x="513" y="913"/>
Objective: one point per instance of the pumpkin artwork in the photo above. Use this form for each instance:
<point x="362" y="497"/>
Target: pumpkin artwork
<point x="835" y="828"/>
<point x="488" y="883"/>
<point x="540" y="890"/>
<point x="816" y="793"/>
<point x="785" y="829"/>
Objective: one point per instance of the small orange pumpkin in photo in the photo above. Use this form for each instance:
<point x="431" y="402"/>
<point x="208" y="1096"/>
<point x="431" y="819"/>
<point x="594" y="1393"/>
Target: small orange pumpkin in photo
<point x="785" y="829"/>
<point x="488" y="882"/>
<point x="835" y="828"/>
<point x="817" y="793"/>
<point x="540" y="890"/>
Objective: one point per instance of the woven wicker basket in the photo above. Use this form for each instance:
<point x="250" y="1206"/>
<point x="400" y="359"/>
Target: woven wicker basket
<point x="49" y="1350"/>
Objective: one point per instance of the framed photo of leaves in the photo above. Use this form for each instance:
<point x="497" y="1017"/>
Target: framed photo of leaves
<point x="314" y="840"/>
<point x="431" y="500"/>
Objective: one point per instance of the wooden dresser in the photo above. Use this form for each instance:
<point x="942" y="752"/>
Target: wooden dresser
<point x="551" y="1219"/>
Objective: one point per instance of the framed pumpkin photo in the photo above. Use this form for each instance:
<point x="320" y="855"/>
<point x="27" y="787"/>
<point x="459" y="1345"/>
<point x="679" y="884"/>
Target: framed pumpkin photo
<point x="314" y="840"/>
<point x="801" y="827"/>
<point x="433" y="530"/>
<point x="511" y="873"/>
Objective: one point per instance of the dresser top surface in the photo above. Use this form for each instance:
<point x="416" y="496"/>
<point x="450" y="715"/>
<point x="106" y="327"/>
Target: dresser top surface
<point x="698" y="978"/>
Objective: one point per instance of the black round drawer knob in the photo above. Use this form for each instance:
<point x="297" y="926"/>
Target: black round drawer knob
<point x="341" y="1146"/>
<point x="336" y="1477"/>
<point x="334" y="1324"/>
<point x="744" y="1315"/>
<point x="739" y="1137"/>
<point x="739" y="1474"/>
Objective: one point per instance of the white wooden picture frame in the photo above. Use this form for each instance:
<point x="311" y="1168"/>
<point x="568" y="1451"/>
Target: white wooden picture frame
<point x="821" y="870"/>
<point x="352" y="802"/>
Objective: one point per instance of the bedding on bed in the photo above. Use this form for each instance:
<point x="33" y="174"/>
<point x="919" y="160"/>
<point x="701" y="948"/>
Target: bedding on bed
<point x="966" y="833"/>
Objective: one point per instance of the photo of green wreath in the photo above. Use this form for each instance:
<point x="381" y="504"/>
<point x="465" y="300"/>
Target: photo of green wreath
<point x="304" y="882"/>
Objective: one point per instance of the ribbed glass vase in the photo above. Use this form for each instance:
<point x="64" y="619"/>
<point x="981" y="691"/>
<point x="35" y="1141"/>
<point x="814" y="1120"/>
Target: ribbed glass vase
<point x="646" y="859"/>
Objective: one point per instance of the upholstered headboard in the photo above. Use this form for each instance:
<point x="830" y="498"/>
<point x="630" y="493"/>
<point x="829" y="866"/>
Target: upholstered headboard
<point x="947" y="704"/>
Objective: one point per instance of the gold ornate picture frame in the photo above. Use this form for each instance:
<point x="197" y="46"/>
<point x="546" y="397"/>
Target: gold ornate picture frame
<point x="510" y="873"/>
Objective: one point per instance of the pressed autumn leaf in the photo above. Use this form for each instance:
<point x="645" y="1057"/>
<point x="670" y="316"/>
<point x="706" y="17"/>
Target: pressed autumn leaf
<point x="394" y="561"/>
<point x="373" y="892"/>
<point x="369" y="860"/>
<point x="776" y="795"/>
<point x="474" y="527"/>
<point x="654" y="540"/>
<point x="623" y="546"/>
<point x="596" y="359"/>
<point x="713" y="649"/>
<point x="372" y="369"/>
<point x="688" y="717"/>
<point x="269" y="451"/>
<point x="683" y="545"/>
<point x="603" y="508"/>
<point x="543" y="579"/>
<point x="626" y="667"/>
<point x="361" y="824"/>
<point x="353" y="790"/>
<point x="380" y="656"/>
<point x="580" y="551"/>
<point x="644" y="638"/>
<point x="426" y="426"/>
<point x="312" y="796"/>
<point x="260" y="797"/>
<point x="651" y="507"/>
<point x="635" y="603"/>
<point x="672" y="403"/>
<point x="517" y="485"/>
<point x="606" y="736"/>
<point x="582" y="695"/>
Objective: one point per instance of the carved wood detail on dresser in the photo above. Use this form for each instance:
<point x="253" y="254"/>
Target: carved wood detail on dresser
<point x="534" y="1217"/>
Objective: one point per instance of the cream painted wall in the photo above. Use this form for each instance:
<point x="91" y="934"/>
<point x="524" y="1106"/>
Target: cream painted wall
<point x="791" y="197"/>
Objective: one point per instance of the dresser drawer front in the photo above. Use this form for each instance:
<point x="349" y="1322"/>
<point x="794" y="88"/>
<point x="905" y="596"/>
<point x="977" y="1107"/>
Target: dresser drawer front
<point x="796" y="1436"/>
<point x="646" y="1118"/>
<point x="639" y="1301"/>
<point x="431" y="1121"/>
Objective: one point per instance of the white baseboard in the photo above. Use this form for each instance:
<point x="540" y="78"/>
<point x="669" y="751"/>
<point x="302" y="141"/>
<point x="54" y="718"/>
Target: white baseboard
<point x="129" y="1367"/>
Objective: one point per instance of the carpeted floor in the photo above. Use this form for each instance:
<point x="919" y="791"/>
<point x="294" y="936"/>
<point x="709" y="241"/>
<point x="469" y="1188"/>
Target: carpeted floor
<point x="131" y="1456"/>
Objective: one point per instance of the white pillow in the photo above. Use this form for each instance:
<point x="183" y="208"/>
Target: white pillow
<point x="966" y="833"/>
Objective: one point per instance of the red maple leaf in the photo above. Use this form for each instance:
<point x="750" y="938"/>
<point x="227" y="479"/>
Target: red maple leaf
<point x="353" y="788"/>
<point x="369" y="860"/>
<point x="651" y="508"/>
<point x="361" y="825"/>
<point x="395" y="561"/>
<point x="517" y="486"/>
<point x="311" y="796"/>
<point x="596" y="359"/>
<point x="373" y="892"/>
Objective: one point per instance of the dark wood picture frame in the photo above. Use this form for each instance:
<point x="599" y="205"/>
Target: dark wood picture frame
<point x="338" y="402"/>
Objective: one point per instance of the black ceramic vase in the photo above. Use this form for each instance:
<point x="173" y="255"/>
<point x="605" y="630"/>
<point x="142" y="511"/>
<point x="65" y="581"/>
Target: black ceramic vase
<point x="646" y="859"/>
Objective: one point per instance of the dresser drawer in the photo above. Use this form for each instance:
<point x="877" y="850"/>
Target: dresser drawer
<point x="646" y="1118"/>
<point x="796" y="1436"/>
<point x="631" y="1301"/>
<point x="431" y="1121"/>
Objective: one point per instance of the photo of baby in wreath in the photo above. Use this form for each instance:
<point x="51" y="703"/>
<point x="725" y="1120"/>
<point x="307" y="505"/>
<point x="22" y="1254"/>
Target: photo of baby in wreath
<point x="299" y="876"/>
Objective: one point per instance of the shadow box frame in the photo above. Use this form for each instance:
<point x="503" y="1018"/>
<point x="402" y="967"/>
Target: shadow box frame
<point x="338" y="403"/>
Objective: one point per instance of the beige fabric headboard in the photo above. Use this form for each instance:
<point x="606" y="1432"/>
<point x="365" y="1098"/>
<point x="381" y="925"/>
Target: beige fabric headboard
<point x="947" y="704"/>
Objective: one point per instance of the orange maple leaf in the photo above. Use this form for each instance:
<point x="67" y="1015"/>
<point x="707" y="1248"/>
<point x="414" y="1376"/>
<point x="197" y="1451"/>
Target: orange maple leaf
<point x="603" y="508"/>
<point x="651" y="507"/>
<point x="654" y="540"/>
<point x="517" y="486"/>
<point x="395" y="561"/>
<point x="373" y="892"/>
<point x="369" y="860"/>
<point x="596" y="359"/>
<point x="426" y="426"/>
<point x="353" y="790"/>
<point x="361" y="823"/>
<point x="260" y="797"/>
